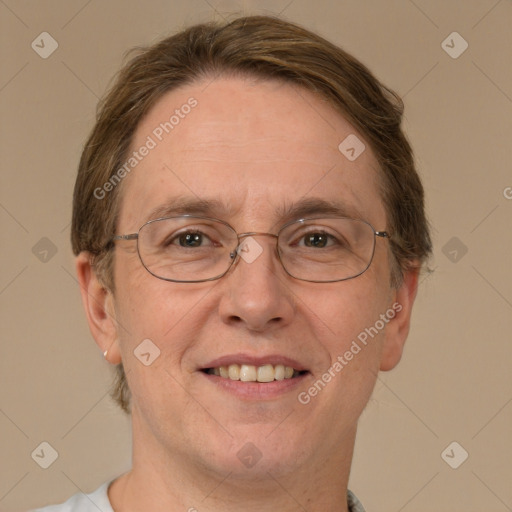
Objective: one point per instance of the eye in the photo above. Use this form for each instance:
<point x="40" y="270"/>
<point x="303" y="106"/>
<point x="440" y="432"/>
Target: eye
<point x="188" y="239"/>
<point x="318" y="239"/>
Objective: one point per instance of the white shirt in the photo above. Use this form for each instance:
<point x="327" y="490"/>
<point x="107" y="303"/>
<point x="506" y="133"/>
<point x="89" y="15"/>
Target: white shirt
<point x="98" y="502"/>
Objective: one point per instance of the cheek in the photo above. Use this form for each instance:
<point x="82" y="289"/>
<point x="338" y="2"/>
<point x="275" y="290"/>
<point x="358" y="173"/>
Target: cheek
<point x="142" y="300"/>
<point x="350" y="307"/>
<point x="168" y="314"/>
<point x="149" y="313"/>
<point x="355" y="331"/>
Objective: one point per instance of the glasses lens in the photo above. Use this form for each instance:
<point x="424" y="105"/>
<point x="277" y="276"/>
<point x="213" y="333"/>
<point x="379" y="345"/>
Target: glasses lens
<point x="186" y="248"/>
<point x="326" y="249"/>
<point x="192" y="249"/>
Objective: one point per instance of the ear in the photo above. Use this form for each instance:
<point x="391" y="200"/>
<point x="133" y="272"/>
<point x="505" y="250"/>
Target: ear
<point x="398" y="327"/>
<point x="98" y="303"/>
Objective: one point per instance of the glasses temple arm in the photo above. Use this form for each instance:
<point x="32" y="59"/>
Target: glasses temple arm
<point x="131" y="236"/>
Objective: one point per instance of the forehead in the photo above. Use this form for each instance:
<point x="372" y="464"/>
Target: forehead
<point x="247" y="148"/>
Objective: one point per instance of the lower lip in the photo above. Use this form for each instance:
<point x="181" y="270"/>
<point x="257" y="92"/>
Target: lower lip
<point x="256" y="390"/>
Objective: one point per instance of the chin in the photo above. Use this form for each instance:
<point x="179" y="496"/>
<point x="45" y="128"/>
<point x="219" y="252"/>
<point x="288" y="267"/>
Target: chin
<point x="253" y="452"/>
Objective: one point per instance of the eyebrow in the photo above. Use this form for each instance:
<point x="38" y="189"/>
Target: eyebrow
<point x="287" y="211"/>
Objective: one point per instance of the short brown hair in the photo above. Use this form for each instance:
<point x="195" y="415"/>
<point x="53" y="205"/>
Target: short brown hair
<point x="263" y="47"/>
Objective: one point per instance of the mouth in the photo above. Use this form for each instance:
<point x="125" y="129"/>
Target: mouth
<point x="246" y="372"/>
<point x="249" y="376"/>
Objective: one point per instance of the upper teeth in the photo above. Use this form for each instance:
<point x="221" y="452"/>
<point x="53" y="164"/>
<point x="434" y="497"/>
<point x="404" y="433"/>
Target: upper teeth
<point x="251" y="373"/>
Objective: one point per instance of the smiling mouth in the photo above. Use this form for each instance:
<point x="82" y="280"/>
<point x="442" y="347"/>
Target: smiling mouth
<point x="251" y="373"/>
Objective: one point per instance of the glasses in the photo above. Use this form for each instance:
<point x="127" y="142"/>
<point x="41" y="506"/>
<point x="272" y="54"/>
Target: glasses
<point x="191" y="249"/>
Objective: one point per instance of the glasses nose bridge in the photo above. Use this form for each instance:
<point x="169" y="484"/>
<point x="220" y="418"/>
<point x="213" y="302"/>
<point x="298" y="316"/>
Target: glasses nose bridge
<point x="242" y="236"/>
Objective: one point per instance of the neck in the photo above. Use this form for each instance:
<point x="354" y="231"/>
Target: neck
<point x="174" y="481"/>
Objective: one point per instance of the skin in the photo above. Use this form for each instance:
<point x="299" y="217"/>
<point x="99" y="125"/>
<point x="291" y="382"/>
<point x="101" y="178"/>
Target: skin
<point x="253" y="144"/>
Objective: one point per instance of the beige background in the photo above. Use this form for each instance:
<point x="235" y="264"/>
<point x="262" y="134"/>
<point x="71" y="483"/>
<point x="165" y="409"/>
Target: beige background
<point x="454" y="383"/>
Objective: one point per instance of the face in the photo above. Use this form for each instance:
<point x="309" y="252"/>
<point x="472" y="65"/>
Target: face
<point x="258" y="149"/>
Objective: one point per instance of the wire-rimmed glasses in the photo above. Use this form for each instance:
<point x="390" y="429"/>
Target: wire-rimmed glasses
<point x="193" y="249"/>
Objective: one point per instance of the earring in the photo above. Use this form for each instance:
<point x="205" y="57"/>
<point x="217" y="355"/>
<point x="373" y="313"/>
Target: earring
<point x="105" y="354"/>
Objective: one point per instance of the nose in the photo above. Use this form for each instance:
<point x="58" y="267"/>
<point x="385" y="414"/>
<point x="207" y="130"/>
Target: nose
<point x="256" y="289"/>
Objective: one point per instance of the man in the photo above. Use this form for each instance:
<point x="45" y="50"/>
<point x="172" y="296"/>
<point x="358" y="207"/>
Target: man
<point x="249" y="229"/>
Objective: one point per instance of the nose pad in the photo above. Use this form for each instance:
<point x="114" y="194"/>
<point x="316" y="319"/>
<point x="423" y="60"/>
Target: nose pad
<point x="249" y="249"/>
